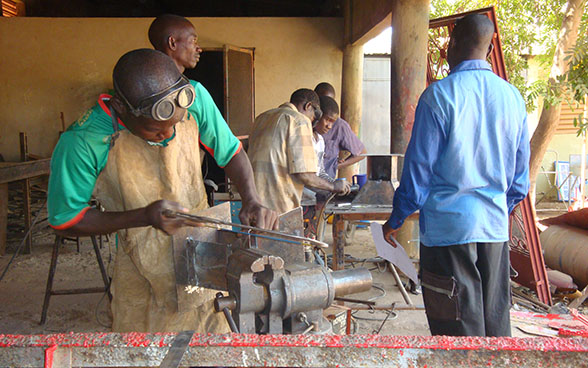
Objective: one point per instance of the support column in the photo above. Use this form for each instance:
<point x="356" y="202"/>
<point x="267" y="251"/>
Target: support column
<point x="351" y="83"/>
<point x="408" y="67"/>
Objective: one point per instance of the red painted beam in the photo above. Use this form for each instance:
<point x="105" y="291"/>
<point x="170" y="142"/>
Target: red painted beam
<point x="97" y="340"/>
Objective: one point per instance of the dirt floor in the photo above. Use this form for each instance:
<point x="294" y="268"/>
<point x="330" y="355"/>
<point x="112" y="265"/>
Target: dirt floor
<point x="23" y="287"/>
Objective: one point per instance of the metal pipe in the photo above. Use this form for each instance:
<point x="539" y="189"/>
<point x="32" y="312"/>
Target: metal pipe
<point x="351" y="281"/>
<point x="566" y="250"/>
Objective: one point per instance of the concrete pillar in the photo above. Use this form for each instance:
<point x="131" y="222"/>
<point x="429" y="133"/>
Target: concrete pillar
<point x="408" y="62"/>
<point x="351" y="92"/>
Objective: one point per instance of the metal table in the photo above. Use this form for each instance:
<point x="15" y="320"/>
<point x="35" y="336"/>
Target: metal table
<point x="342" y="212"/>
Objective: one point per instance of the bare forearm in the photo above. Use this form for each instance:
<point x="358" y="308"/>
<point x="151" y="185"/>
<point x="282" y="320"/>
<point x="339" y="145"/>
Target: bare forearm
<point x="240" y="172"/>
<point x="313" y="181"/>
<point x="95" y="222"/>
<point x="352" y="160"/>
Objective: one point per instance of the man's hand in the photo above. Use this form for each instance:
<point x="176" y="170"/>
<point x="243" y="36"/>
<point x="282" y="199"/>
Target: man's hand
<point x="254" y="214"/>
<point x="156" y="218"/>
<point x="389" y="233"/>
<point x="341" y="187"/>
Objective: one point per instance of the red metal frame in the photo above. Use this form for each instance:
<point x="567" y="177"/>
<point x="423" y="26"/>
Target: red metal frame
<point x="525" y="247"/>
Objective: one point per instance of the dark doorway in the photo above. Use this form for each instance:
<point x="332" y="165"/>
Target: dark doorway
<point x="209" y="72"/>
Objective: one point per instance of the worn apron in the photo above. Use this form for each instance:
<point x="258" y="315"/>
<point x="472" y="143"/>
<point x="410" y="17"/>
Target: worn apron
<point x="144" y="283"/>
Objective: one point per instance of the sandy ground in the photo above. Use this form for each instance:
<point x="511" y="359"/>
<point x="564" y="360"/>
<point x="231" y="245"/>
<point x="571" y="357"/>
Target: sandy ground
<point x="22" y="291"/>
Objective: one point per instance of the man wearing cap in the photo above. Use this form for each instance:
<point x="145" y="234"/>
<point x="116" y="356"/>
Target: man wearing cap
<point x="137" y="153"/>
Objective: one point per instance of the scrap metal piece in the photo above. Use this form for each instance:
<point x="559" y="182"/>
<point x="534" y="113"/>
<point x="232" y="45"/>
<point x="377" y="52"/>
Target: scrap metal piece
<point x="292" y="223"/>
<point x="176" y="351"/>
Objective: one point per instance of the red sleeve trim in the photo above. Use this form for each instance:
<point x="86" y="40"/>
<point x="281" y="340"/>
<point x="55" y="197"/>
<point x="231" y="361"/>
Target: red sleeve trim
<point x="210" y="150"/>
<point x="235" y="154"/>
<point x="73" y="221"/>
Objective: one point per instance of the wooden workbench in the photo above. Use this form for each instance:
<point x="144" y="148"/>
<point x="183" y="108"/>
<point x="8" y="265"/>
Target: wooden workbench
<point x="14" y="171"/>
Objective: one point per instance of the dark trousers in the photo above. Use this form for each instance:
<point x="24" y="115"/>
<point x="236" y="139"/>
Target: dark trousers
<point x="466" y="289"/>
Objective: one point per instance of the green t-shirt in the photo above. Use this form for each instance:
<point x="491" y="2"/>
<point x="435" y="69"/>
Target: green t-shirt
<point x="82" y="153"/>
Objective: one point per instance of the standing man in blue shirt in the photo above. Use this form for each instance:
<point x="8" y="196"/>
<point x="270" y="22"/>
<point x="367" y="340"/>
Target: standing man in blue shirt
<point x="466" y="167"/>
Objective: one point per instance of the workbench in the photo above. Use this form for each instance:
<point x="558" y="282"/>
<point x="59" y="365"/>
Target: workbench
<point x="342" y="212"/>
<point x="15" y="171"/>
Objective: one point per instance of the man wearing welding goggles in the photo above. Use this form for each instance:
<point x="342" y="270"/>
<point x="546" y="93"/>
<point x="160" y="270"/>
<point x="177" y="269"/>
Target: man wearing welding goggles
<point x="138" y="153"/>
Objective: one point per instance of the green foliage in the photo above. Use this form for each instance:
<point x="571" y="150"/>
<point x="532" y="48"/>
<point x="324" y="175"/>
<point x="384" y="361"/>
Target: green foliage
<point x="531" y="27"/>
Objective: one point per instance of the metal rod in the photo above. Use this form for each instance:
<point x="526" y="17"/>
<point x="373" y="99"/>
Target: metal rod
<point x="405" y="295"/>
<point x="281" y="235"/>
<point x="349" y="300"/>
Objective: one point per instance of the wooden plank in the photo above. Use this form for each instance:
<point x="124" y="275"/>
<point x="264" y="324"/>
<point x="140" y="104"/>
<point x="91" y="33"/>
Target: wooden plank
<point x="13" y="171"/>
<point x="3" y="217"/>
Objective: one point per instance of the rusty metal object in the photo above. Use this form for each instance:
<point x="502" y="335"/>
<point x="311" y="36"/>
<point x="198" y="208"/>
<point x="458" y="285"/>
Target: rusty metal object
<point x="140" y="349"/>
<point x="382" y="170"/>
<point x="292" y="223"/>
<point x="566" y="250"/>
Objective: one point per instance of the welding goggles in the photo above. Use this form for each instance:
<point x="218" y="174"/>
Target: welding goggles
<point x="161" y="106"/>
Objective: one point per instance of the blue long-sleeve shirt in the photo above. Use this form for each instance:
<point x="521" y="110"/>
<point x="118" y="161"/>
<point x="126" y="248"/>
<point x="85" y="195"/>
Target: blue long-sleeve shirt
<point x="467" y="162"/>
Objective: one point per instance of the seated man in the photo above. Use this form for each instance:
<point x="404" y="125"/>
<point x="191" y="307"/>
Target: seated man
<point x="137" y="153"/>
<point x="282" y="153"/>
<point x="339" y="138"/>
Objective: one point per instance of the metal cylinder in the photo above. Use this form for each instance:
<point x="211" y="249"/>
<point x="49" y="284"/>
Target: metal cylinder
<point x="307" y="287"/>
<point x="351" y="281"/>
<point x="566" y="250"/>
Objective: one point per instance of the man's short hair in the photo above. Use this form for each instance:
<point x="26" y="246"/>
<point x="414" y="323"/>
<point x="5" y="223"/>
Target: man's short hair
<point x="304" y="95"/>
<point x="473" y="31"/>
<point x="164" y="26"/>
<point x="144" y="72"/>
<point x="329" y="106"/>
<point x="324" y="88"/>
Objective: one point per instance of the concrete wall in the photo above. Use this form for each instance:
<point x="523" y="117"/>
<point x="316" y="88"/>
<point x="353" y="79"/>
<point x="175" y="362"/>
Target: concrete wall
<point x="53" y="65"/>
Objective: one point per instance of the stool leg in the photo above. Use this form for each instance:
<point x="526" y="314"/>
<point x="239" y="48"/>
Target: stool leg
<point x="49" y="289"/>
<point x="101" y="265"/>
<point x="78" y="244"/>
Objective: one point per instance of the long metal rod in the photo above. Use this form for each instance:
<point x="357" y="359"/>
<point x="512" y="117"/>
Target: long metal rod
<point x="199" y="220"/>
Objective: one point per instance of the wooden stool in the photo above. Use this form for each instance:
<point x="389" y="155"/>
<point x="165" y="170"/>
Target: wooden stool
<point x="49" y="291"/>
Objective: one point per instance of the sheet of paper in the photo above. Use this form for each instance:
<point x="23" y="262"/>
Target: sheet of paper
<point x="397" y="256"/>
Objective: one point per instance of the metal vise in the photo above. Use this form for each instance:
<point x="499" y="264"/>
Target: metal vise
<point x="270" y="287"/>
<point x="266" y="296"/>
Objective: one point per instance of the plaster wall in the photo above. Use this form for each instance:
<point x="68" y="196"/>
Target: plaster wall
<point x="54" y="65"/>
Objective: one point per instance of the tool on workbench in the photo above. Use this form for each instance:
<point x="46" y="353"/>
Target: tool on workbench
<point x="196" y="220"/>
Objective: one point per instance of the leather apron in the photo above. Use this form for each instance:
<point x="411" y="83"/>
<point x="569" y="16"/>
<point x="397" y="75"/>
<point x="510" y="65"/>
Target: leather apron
<point x="143" y="286"/>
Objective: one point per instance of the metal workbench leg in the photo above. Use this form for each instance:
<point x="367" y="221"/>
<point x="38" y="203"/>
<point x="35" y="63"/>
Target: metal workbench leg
<point x="338" y="243"/>
<point x="101" y="265"/>
<point x="49" y="289"/>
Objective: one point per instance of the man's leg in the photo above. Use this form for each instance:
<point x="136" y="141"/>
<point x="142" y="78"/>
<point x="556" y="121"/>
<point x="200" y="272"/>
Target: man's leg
<point x="493" y="263"/>
<point x="452" y="290"/>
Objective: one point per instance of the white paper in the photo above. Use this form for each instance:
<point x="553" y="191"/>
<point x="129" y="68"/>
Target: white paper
<point x="397" y="256"/>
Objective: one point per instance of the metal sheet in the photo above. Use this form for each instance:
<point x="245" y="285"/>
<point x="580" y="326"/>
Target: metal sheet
<point x="292" y="223"/>
<point x="179" y="242"/>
